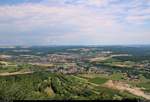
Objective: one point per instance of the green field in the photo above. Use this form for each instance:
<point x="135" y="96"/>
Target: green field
<point x="98" y="80"/>
<point x="145" y="85"/>
<point x="44" y="85"/>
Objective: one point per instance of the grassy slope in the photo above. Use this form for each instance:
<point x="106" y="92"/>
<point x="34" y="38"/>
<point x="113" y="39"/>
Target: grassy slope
<point x="44" y="85"/>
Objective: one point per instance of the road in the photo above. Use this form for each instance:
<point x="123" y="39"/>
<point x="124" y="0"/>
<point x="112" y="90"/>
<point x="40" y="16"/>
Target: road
<point x="15" y="73"/>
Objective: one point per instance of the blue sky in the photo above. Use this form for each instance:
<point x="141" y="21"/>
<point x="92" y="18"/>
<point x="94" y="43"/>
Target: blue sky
<point x="74" y="22"/>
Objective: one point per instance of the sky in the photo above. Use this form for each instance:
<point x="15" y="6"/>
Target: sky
<point x="74" y="22"/>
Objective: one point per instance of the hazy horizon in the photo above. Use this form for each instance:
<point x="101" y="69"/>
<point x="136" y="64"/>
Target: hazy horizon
<point x="74" y="22"/>
<point x="122" y="45"/>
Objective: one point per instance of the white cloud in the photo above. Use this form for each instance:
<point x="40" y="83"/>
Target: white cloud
<point x="88" y="20"/>
<point x="31" y="16"/>
<point x="97" y="2"/>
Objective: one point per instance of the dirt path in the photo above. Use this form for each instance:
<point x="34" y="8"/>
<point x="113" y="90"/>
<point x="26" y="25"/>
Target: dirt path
<point x="126" y="87"/>
<point x="14" y="73"/>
